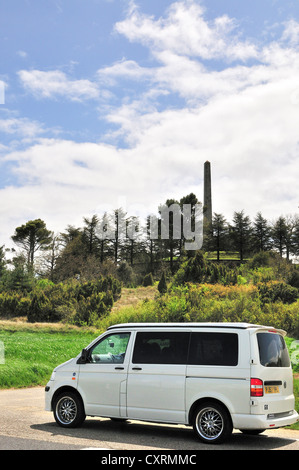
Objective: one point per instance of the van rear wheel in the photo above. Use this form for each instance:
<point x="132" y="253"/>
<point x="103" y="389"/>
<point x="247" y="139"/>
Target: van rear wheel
<point x="212" y="423"/>
<point x="68" y="410"/>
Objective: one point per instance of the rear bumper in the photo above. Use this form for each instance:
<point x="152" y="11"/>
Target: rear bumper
<point x="263" y="421"/>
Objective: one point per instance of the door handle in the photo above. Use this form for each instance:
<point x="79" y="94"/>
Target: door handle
<point x="119" y="368"/>
<point x="137" y="368"/>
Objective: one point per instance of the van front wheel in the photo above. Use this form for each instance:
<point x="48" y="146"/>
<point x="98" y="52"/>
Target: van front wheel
<point x="212" y="423"/>
<point x="69" y="410"/>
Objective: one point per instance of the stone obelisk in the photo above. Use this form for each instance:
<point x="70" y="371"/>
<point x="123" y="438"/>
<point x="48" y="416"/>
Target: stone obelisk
<point x="207" y="196"/>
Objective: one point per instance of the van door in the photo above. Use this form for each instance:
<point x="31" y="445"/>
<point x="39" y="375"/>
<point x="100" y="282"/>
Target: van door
<point x="271" y="365"/>
<point x="156" y="378"/>
<point x="219" y="368"/>
<point x="103" y="379"/>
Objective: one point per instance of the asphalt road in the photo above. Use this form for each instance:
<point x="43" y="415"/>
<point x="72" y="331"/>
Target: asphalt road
<point x="24" y="425"/>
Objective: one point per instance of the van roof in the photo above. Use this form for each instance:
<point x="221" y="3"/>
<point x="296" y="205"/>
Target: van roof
<point x="197" y="325"/>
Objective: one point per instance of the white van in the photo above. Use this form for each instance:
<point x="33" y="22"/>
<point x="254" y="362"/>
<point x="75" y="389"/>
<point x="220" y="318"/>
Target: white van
<point x="214" y="376"/>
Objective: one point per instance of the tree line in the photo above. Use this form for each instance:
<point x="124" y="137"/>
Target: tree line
<point x="131" y="253"/>
<point x="249" y="237"/>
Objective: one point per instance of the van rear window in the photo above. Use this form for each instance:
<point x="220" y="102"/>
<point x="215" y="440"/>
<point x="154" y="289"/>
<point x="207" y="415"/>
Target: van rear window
<point x="273" y="350"/>
<point x="214" y="349"/>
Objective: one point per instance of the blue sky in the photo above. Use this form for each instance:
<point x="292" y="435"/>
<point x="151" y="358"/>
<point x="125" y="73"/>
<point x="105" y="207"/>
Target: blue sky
<point x="108" y="103"/>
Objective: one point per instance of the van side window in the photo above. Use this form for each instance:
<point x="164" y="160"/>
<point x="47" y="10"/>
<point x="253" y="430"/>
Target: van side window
<point x="112" y="348"/>
<point x="214" y="349"/>
<point x="273" y="350"/>
<point x="161" y="348"/>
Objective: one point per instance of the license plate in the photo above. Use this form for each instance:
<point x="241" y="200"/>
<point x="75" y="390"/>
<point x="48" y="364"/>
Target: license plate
<point x="271" y="389"/>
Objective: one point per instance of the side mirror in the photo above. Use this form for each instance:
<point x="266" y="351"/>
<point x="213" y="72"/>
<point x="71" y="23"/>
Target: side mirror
<point x="83" y="359"/>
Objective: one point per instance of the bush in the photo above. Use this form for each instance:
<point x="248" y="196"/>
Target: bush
<point x="91" y="308"/>
<point x="261" y="259"/>
<point x="41" y="309"/>
<point x="294" y="278"/>
<point x="214" y="303"/>
<point x="275" y="291"/>
<point x="148" y="280"/>
<point x="281" y="316"/>
<point x="14" y="304"/>
<point x="198" y="270"/>
<point x="78" y="303"/>
<point x="162" y="286"/>
<point x="126" y="274"/>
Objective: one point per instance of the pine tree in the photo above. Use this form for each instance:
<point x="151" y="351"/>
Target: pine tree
<point x="32" y="237"/>
<point x="261" y="233"/>
<point x="241" y="233"/>
<point x="162" y="286"/>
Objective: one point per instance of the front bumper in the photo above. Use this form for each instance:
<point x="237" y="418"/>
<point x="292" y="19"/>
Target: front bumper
<point x="48" y="397"/>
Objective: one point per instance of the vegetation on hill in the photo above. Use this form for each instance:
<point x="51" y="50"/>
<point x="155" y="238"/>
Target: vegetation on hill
<point x="251" y="293"/>
<point x="263" y="290"/>
<point x="243" y="272"/>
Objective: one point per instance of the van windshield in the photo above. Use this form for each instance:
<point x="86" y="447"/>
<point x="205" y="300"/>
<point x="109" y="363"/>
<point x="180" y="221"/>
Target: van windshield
<point x="273" y="350"/>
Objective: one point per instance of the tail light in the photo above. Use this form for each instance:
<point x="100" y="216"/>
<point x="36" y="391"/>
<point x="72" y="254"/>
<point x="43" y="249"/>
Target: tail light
<point x="256" y="388"/>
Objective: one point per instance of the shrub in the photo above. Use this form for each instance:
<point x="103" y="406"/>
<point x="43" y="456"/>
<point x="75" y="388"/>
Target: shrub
<point x="198" y="270"/>
<point x="277" y="291"/>
<point x="281" y="316"/>
<point x="294" y="278"/>
<point x="263" y="258"/>
<point x="126" y="274"/>
<point x="104" y="284"/>
<point x="41" y="309"/>
<point x="263" y="274"/>
<point x="91" y="308"/>
<point x="79" y="303"/>
<point x="148" y="280"/>
<point x="162" y="286"/>
<point x="14" y="304"/>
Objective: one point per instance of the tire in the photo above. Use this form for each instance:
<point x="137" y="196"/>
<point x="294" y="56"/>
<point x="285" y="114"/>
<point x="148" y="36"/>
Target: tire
<point x="212" y="423"/>
<point x="69" y="410"/>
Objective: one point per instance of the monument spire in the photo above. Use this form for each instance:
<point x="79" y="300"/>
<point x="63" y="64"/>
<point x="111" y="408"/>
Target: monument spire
<point x="207" y="198"/>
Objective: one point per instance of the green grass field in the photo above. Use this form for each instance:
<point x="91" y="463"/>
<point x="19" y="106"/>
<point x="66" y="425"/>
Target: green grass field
<point x="30" y="355"/>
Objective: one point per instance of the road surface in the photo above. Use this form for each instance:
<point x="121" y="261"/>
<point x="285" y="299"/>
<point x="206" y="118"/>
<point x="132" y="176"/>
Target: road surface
<point x="24" y="425"/>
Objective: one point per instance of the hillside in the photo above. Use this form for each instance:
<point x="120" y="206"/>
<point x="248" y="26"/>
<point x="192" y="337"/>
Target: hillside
<point x="131" y="297"/>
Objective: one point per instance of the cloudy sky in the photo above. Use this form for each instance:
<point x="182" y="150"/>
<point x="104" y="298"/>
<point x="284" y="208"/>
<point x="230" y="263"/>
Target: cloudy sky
<point x="109" y="103"/>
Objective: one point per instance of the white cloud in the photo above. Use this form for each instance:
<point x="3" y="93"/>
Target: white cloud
<point x="56" y="83"/>
<point x="21" y="127"/>
<point x="291" y="32"/>
<point x="126" y="69"/>
<point x="22" y="54"/>
<point x="184" y="31"/>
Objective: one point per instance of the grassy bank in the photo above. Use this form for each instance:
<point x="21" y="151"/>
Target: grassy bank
<point x="32" y="351"/>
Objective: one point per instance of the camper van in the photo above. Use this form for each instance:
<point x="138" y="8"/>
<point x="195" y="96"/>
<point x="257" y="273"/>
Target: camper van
<point x="215" y="377"/>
